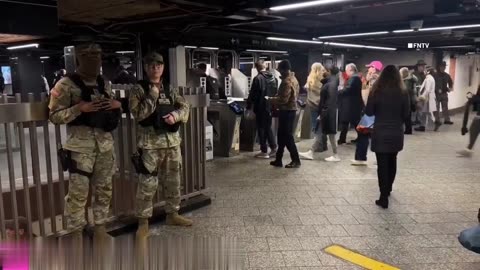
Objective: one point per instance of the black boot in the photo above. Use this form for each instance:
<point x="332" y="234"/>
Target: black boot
<point x="448" y="123"/>
<point x="276" y="163"/>
<point x="437" y="126"/>
<point x="420" y="129"/>
<point x="383" y="201"/>
<point x="293" y="165"/>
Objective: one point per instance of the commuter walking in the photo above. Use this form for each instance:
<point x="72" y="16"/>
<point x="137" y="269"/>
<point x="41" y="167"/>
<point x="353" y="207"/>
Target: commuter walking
<point x="427" y="104"/>
<point x="264" y="84"/>
<point x="389" y="103"/>
<point x="314" y="86"/>
<point x="159" y="112"/>
<point x="363" y="139"/>
<point x="350" y="103"/>
<point x="444" y="85"/>
<point x="410" y="83"/>
<point x="419" y="74"/>
<point x="328" y="110"/>
<point x="286" y="101"/>
<point x="474" y="102"/>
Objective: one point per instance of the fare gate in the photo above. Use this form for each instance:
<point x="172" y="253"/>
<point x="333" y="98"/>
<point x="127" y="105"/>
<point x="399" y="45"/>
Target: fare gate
<point x="34" y="185"/>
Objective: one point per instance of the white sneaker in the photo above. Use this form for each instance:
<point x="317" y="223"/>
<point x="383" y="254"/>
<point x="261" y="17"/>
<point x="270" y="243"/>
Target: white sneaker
<point x="359" y="163"/>
<point x="333" y="158"/>
<point x="465" y="153"/>
<point x="306" y="155"/>
<point x="262" y="155"/>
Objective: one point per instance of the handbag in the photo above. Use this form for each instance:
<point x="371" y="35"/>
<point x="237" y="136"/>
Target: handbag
<point x="470" y="239"/>
<point x="366" y="124"/>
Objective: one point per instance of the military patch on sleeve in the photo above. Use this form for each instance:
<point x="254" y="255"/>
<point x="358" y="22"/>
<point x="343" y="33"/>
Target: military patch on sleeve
<point x="55" y="92"/>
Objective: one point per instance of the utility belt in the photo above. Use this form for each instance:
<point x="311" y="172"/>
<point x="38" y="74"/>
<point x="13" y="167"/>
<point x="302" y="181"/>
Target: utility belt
<point x="137" y="162"/>
<point x="106" y="120"/>
<point x="157" y="121"/>
<point x="68" y="164"/>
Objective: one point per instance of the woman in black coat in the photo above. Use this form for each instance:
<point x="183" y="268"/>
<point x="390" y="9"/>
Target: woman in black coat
<point x="328" y="110"/>
<point x="389" y="103"/>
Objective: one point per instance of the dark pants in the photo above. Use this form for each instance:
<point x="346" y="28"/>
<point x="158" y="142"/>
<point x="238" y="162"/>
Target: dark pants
<point x="265" y="134"/>
<point x="409" y="124"/>
<point x="387" y="169"/>
<point x="286" y="121"/>
<point x="363" y="140"/>
<point x="442" y="100"/>
<point x="344" y="127"/>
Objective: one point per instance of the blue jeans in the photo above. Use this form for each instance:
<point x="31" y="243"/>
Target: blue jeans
<point x="361" y="150"/>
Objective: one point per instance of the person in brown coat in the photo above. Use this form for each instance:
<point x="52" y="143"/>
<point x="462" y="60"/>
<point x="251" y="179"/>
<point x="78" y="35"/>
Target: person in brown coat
<point x="286" y="101"/>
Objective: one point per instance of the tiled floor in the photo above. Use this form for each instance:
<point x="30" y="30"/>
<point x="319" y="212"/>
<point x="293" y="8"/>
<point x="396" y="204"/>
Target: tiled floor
<point x="286" y="218"/>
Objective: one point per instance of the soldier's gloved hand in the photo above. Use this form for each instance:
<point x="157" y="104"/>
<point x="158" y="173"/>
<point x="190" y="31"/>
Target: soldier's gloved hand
<point x="464" y="130"/>
<point x="169" y="119"/>
<point x="93" y="106"/>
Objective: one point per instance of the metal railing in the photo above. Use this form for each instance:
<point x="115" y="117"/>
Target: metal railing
<point x="34" y="185"/>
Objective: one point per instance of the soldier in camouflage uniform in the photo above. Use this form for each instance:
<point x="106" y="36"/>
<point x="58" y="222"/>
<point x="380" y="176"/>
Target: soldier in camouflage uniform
<point x="161" y="154"/>
<point x="91" y="149"/>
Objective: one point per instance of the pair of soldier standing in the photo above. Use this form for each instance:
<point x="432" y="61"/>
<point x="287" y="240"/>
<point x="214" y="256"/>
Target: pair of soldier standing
<point x="84" y="101"/>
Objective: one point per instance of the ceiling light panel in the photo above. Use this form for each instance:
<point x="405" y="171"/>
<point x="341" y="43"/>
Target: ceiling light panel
<point x="356" y="35"/>
<point x="306" y="4"/>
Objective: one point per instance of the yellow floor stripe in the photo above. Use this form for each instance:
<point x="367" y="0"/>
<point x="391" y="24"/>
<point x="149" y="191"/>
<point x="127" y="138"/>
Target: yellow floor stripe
<point x="357" y="259"/>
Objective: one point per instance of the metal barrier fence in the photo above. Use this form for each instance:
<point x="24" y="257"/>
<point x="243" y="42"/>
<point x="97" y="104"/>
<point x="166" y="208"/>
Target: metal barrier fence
<point x="34" y="185"/>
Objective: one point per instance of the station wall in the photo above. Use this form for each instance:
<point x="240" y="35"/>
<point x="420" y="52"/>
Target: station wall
<point x="467" y="78"/>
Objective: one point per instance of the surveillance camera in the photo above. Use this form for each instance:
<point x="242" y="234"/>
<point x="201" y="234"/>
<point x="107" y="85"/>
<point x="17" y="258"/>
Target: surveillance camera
<point x="416" y="24"/>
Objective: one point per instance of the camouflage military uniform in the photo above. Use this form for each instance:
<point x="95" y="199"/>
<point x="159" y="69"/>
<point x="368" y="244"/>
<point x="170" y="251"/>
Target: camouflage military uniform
<point x="92" y="150"/>
<point x="160" y="152"/>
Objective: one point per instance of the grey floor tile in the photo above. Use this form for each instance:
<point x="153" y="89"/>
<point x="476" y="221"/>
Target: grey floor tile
<point x="284" y="243"/>
<point x="315" y="243"/>
<point x="334" y="201"/>
<point x="329" y="260"/>
<point x="421" y="229"/>
<point x="361" y="230"/>
<point x="397" y="218"/>
<point x="301" y="258"/>
<point x="364" y="218"/>
<point x="325" y="210"/>
<point x="314" y="220"/>
<point x="266" y="259"/>
<point x="345" y="219"/>
<point x="301" y="231"/>
<point x="351" y="209"/>
<point x="240" y="231"/>
<point x="258" y="221"/>
<point x="280" y="220"/>
<point x="246" y="211"/>
<point x="331" y="230"/>
<point x="443" y="240"/>
<point x="270" y="231"/>
<point x="252" y="244"/>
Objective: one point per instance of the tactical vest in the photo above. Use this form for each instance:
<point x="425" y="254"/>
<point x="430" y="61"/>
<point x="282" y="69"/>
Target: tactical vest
<point x="165" y="105"/>
<point x="107" y="120"/>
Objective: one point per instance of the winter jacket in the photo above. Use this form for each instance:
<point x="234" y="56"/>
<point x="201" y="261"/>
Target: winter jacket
<point x="410" y="84"/>
<point x="328" y="105"/>
<point x="350" y="102"/>
<point x="391" y="112"/>
<point x="286" y="99"/>
<point x="313" y="94"/>
<point x="258" y="91"/>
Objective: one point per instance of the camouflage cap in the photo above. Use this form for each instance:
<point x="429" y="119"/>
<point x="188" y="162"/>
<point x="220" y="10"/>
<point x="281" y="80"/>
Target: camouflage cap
<point x="153" y="57"/>
<point x="88" y="48"/>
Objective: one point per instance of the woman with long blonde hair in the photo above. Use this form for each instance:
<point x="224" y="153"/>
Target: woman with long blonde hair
<point x="314" y="87"/>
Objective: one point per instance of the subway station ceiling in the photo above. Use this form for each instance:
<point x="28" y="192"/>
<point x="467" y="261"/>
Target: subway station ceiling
<point x="235" y="23"/>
